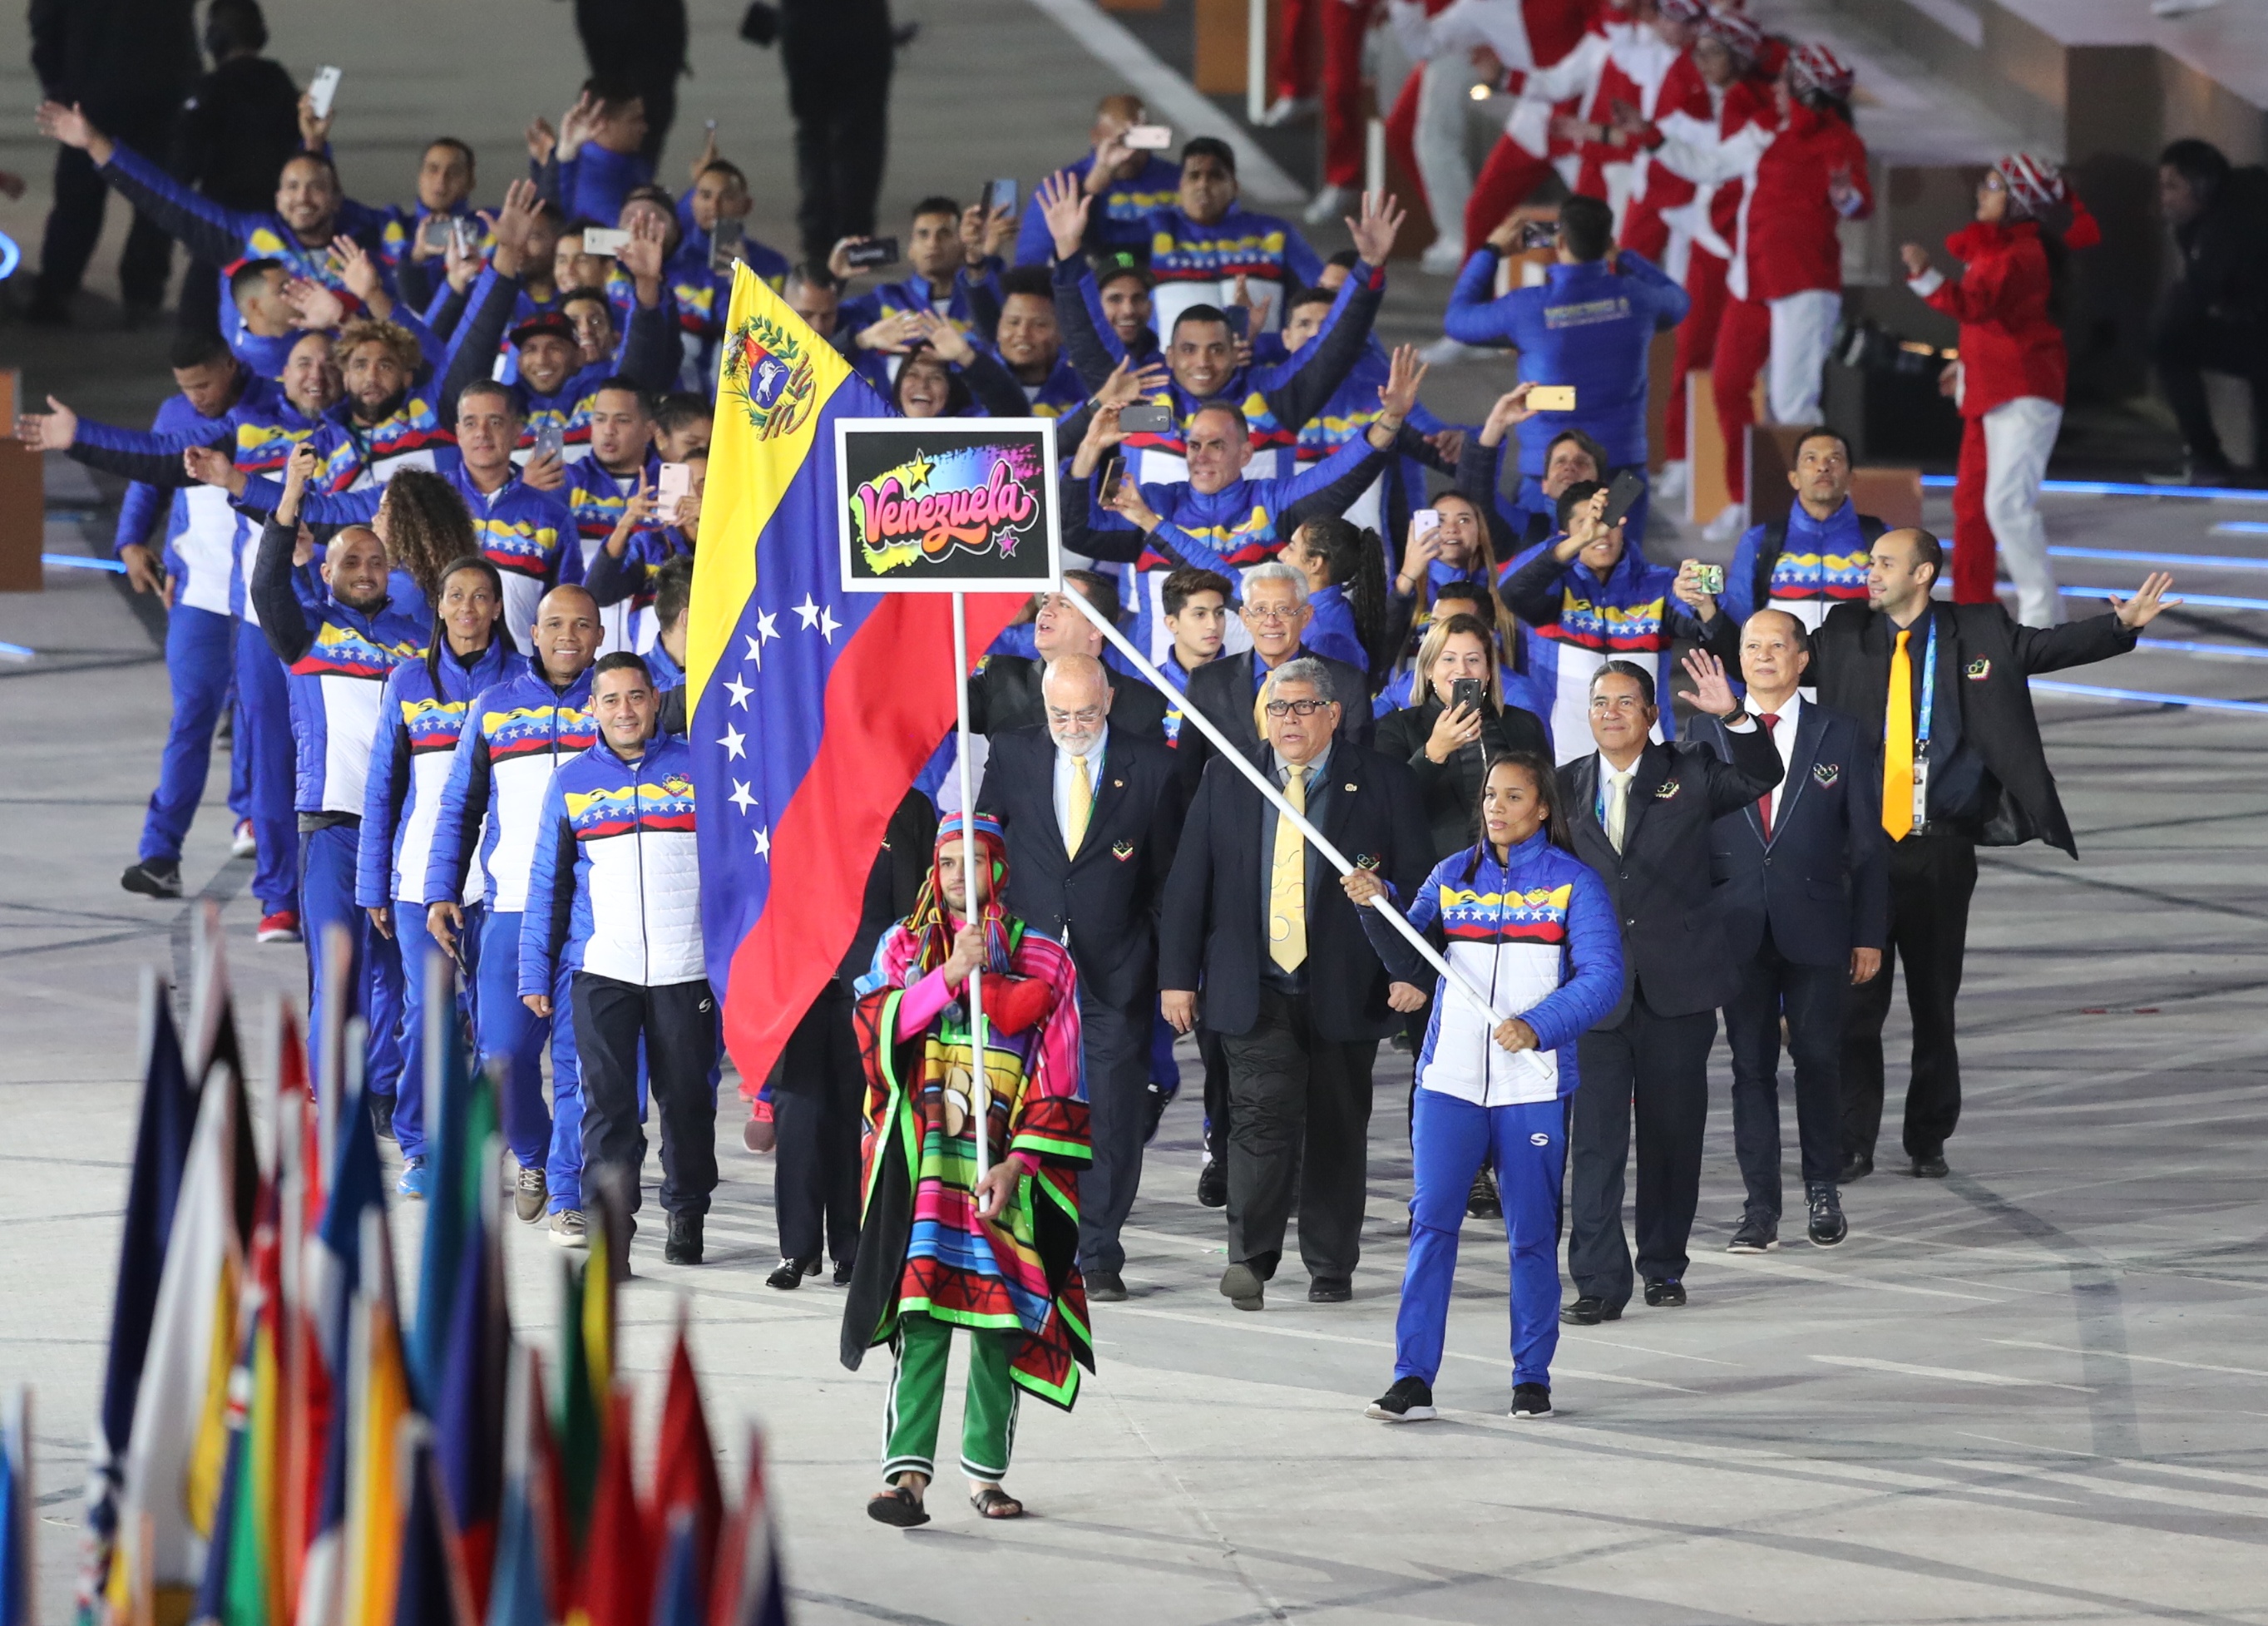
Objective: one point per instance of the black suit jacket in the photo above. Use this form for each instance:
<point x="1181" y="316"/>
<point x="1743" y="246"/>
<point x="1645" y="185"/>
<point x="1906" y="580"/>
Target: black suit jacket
<point x="1222" y="690"/>
<point x="1210" y="935"/>
<point x="1102" y="901"/>
<point x="1005" y="696"/>
<point x="1674" y="938"/>
<point x="1452" y="790"/>
<point x="1984" y="657"/>
<point x="1822" y="879"/>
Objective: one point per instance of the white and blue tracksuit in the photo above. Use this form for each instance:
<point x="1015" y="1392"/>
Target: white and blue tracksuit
<point x="1245" y="523"/>
<point x="1196" y="264"/>
<point x="421" y="715"/>
<point x="337" y="660"/>
<point x="595" y="497"/>
<point x="199" y="554"/>
<point x="259" y="433"/>
<point x="1119" y="217"/>
<point x="1573" y="623"/>
<point x="1591" y="324"/>
<point x="1536" y="932"/>
<point x="1816" y="565"/>
<point x="517" y="733"/>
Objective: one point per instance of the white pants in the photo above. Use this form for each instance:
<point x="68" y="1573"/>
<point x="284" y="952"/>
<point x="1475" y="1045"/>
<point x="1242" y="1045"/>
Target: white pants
<point x="1443" y="101"/>
<point x="1802" y="327"/>
<point x="2019" y="434"/>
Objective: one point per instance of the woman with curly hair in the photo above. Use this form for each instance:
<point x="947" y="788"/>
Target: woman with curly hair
<point x="425" y="527"/>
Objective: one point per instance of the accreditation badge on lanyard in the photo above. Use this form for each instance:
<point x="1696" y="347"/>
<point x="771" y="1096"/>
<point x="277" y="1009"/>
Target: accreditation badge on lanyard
<point x="1922" y="720"/>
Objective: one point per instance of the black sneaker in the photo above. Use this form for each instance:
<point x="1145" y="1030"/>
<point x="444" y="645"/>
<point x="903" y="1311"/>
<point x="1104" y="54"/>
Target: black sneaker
<point x="1212" y="1185"/>
<point x="1530" y="1400"/>
<point x="1759" y="1233"/>
<point x="684" y="1245"/>
<point x="1329" y="1290"/>
<point x="1857" y="1166"/>
<point x="1664" y="1295"/>
<point x="1482" y="1201"/>
<point x="382" y="1115"/>
<point x="789" y="1274"/>
<point x="1828" y="1226"/>
<point x="153" y="877"/>
<point x="1410" y="1400"/>
<point x="1931" y="1167"/>
<point x="1589" y="1311"/>
<point x="1105" y="1287"/>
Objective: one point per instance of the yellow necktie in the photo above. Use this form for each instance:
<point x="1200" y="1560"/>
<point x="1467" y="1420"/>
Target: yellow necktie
<point x="1080" y="808"/>
<point x="1617" y="807"/>
<point x="1898" y="746"/>
<point x="1287" y="882"/>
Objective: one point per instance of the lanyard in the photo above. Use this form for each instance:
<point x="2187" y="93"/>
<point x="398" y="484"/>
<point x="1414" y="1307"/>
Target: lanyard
<point x="1928" y="684"/>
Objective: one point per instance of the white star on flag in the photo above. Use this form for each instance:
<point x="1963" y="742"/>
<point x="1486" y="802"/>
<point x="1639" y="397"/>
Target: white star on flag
<point x="763" y="843"/>
<point x="738" y="691"/>
<point x="755" y="653"/>
<point x="828" y="623"/>
<point x="808" y="610"/>
<point x="740" y="798"/>
<point x="735" y="742"/>
<point x="767" y="625"/>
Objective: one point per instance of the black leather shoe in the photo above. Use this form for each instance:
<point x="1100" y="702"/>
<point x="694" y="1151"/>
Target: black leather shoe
<point x="154" y="877"/>
<point x="1212" y="1185"/>
<point x="790" y="1275"/>
<point x="382" y="1115"/>
<point x="1105" y="1287"/>
<point x="1330" y="1290"/>
<point x="1484" y="1202"/>
<point x="1589" y="1312"/>
<point x="1931" y="1167"/>
<point x="684" y="1245"/>
<point x="842" y="1270"/>
<point x="1759" y="1233"/>
<point x="1828" y="1227"/>
<point x="1856" y="1165"/>
<point x="1154" y="1102"/>
<point x="1665" y="1295"/>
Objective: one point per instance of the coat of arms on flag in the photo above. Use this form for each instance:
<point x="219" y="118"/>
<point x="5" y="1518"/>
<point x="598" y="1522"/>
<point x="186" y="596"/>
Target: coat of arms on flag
<point x="768" y="376"/>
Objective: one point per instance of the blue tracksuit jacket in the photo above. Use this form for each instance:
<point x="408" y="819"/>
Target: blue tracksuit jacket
<point x="1120" y="217"/>
<point x="420" y="717"/>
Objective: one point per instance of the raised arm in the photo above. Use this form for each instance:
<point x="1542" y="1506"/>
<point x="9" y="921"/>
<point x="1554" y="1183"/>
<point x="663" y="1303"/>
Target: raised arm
<point x="282" y="618"/>
<point x="207" y="231"/>
<point x="1298" y="387"/>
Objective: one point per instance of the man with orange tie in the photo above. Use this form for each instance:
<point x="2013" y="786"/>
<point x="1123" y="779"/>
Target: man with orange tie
<point x="1944" y="687"/>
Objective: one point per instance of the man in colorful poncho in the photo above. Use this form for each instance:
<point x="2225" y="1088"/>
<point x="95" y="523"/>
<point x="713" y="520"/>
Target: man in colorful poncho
<point x="938" y="1248"/>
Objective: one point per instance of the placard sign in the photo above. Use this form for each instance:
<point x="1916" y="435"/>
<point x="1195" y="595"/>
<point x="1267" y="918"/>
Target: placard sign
<point x="948" y="504"/>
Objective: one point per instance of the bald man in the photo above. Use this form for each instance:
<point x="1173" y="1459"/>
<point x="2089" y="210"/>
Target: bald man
<point x="516" y="733"/>
<point x="1092" y="814"/>
<point x="1128" y="182"/>
<point x="1803" y="878"/>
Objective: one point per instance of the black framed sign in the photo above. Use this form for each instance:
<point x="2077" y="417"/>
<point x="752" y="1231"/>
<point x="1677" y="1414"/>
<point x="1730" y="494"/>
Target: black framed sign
<point x="948" y="504"/>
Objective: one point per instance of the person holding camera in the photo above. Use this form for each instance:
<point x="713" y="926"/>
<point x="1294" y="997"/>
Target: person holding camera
<point x="1583" y="333"/>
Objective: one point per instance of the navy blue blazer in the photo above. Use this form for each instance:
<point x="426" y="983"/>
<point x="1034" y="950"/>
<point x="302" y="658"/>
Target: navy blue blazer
<point x="1822" y="880"/>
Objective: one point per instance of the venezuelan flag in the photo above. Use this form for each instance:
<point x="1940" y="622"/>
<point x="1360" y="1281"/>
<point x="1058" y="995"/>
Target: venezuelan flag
<point x="811" y="710"/>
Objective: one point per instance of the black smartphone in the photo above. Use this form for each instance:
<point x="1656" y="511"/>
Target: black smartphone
<point x="1143" y="418"/>
<point x="725" y="244"/>
<point x="1113" y="476"/>
<point x="1466" y="692"/>
<point x="1539" y="234"/>
<point x="877" y="250"/>
<point x="999" y="194"/>
<point x="1623" y="496"/>
<point x="1240" y="320"/>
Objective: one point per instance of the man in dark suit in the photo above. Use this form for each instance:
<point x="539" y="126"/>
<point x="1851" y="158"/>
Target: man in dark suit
<point x="1640" y="813"/>
<point x="1805" y="889"/>
<point x="1254" y="914"/>
<point x="1006" y="693"/>
<point x="1090" y="812"/>
<point x="1276" y="612"/>
<point x="1944" y="687"/>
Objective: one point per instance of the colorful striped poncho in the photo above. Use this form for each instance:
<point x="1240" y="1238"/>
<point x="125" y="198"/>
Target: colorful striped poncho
<point x="921" y="1245"/>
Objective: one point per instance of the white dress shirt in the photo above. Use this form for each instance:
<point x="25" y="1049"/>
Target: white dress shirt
<point x="1783" y="740"/>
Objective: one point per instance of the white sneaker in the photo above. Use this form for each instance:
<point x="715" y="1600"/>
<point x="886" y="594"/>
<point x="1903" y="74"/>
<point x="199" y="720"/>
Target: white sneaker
<point x="1448" y="352"/>
<point x="1730" y="521"/>
<point x="1330" y="204"/>
<point x="1670" y="484"/>
<point x="1444" y="256"/>
<point x="1288" y="110"/>
<point x="241" y="844"/>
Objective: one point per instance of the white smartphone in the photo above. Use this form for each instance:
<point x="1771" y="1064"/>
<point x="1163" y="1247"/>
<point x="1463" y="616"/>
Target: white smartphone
<point x="1149" y="137"/>
<point x="1423" y="522"/>
<point x="606" y="240"/>
<point x="323" y="90"/>
<point x="674" y="485"/>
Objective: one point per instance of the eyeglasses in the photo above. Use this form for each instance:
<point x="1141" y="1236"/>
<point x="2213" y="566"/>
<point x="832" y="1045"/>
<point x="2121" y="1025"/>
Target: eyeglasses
<point x="1086" y="716"/>
<point x="1295" y="707"/>
<point x="1607" y="705"/>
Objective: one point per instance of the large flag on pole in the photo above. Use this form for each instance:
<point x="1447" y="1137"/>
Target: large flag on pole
<point x="810" y="709"/>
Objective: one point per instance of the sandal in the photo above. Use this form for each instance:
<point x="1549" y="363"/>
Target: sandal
<point x="993" y="1503"/>
<point x="898" y="1507"/>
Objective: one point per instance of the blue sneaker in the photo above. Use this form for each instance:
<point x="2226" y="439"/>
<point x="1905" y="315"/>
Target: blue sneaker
<point x="414" y="1179"/>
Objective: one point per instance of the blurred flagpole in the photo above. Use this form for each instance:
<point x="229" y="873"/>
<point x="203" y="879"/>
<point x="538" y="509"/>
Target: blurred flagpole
<point x="980" y="1099"/>
<point x="1464" y="984"/>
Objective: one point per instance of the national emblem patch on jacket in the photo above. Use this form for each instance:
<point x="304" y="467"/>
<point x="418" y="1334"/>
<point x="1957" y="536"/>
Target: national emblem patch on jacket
<point x="1826" y="773"/>
<point x="1667" y="789"/>
<point x="1979" y="669"/>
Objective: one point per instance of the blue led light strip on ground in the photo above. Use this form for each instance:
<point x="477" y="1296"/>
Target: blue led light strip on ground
<point x="2240" y="651"/>
<point x="2242" y="527"/>
<point x="2198" y="561"/>
<point x="80" y="561"/>
<point x="2121" y="487"/>
<point x="2209" y="600"/>
<point x="2089" y="691"/>
<point x="17" y="650"/>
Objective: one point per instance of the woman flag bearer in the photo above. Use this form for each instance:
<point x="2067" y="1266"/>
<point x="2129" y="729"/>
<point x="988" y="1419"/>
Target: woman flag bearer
<point x="2011" y="374"/>
<point x="1523" y="916"/>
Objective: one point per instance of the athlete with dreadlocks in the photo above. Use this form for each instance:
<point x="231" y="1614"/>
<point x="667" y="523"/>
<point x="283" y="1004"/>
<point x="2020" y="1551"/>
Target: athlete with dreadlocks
<point x="938" y="1248"/>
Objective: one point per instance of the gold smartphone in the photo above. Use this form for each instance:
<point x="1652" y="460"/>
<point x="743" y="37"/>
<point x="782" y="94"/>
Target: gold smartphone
<point x="1552" y="398"/>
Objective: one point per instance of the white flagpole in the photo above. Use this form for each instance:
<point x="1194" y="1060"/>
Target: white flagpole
<point x="980" y="1099"/>
<point x="1190" y="713"/>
